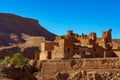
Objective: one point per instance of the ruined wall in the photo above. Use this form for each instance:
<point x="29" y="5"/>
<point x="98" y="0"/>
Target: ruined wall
<point x="46" y="50"/>
<point x="58" y="51"/>
<point x="43" y="55"/>
<point x="69" y="48"/>
<point x="101" y="43"/>
<point x="47" y="46"/>
<point x="99" y="53"/>
<point x="65" y="48"/>
<point x="86" y="52"/>
<point x="53" y="66"/>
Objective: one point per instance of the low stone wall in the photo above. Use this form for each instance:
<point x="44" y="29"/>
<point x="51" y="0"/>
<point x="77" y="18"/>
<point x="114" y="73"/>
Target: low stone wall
<point x="98" y="63"/>
<point x="54" y="66"/>
<point x="66" y="65"/>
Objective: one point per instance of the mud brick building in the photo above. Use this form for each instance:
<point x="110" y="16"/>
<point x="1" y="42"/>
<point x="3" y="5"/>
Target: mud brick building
<point x="78" y="46"/>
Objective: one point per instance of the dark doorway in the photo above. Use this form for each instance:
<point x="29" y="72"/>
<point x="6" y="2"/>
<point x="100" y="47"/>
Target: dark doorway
<point x="68" y="50"/>
<point x="49" y="55"/>
<point x="118" y="47"/>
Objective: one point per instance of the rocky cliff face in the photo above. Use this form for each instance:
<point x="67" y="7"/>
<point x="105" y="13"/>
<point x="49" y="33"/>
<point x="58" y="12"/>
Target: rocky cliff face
<point x="11" y="27"/>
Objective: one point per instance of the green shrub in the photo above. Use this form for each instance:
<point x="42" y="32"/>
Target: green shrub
<point x="18" y="60"/>
<point x="7" y="59"/>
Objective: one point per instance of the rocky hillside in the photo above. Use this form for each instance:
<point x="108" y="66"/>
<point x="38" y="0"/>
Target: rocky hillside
<point x="11" y="27"/>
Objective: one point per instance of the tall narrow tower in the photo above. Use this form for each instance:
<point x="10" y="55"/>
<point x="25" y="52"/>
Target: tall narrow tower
<point x="107" y="37"/>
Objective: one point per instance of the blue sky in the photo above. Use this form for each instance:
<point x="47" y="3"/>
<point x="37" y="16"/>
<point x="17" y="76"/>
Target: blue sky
<point x="58" y="16"/>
